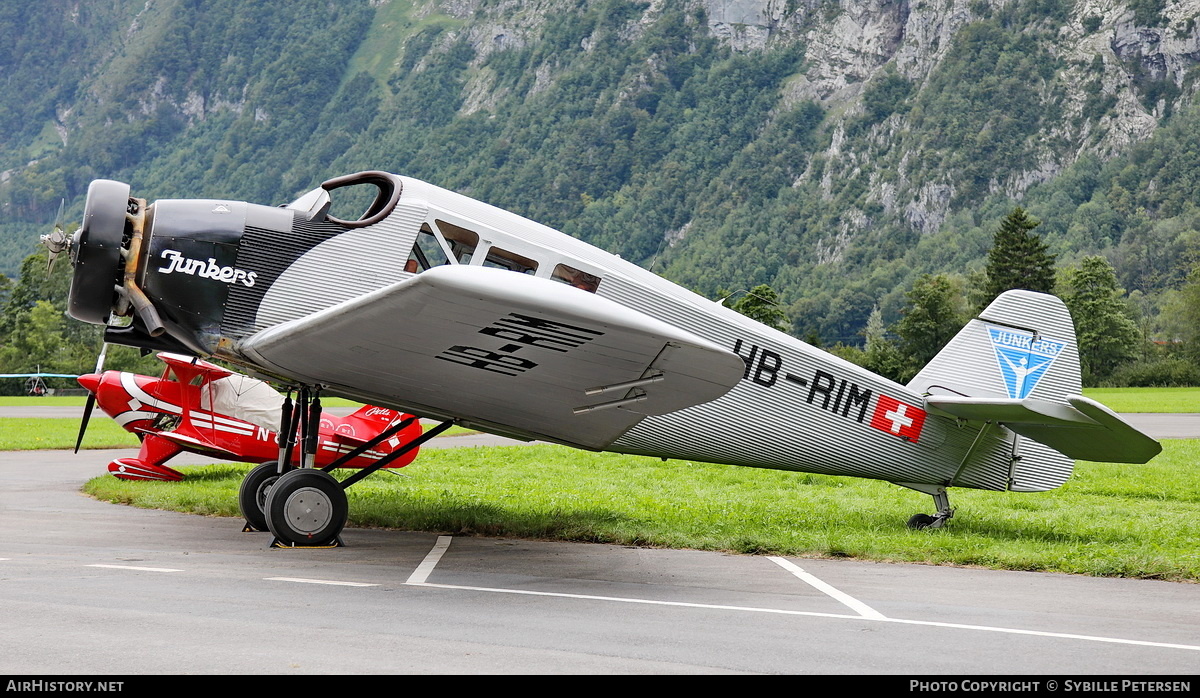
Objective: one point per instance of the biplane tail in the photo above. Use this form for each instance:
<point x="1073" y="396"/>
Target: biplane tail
<point x="1017" y="365"/>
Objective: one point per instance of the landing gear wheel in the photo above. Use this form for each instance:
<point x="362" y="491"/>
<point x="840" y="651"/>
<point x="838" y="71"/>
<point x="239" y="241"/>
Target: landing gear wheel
<point x="919" y="521"/>
<point x="306" y="508"/>
<point x="252" y="495"/>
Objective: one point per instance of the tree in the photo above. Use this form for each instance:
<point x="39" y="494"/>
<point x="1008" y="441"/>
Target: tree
<point x="933" y="314"/>
<point x="761" y="303"/>
<point x="881" y="355"/>
<point x="1107" y="336"/>
<point x="1018" y="258"/>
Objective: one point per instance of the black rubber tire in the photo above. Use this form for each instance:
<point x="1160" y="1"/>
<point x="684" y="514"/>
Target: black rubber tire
<point x="919" y="521"/>
<point x="252" y="495"/>
<point x="306" y="507"/>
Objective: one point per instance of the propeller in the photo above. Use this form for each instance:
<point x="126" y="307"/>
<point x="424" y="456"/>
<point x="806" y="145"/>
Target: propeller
<point x="56" y="241"/>
<point x="92" y="383"/>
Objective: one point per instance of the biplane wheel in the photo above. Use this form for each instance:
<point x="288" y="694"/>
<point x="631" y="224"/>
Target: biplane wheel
<point x="919" y="521"/>
<point x="306" y="507"/>
<point x="252" y="495"/>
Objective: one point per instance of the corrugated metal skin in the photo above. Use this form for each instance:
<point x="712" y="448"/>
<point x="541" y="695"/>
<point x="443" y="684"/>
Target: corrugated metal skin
<point x="778" y="426"/>
<point x="969" y="366"/>
<point x="769" y="423"/>
<point x="320" y="278"/>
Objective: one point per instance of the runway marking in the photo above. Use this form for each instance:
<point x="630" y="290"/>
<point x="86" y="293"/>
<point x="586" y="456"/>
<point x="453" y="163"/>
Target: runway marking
<point x="301" y="580"/>
<point x="814" y="614"/>
<point x="845" y="599"/>
<point x="424" y="569"/>
<point x="138" y="569"/>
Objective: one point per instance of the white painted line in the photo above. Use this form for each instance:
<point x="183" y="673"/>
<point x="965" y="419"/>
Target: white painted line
<point x="424" y="569"/>
<point x="652" y="602"/>
<point x="139" y="569"/>
<point x="301" y="580"/>
<point x="780" y="611"/>
<point x="845" y="599"/>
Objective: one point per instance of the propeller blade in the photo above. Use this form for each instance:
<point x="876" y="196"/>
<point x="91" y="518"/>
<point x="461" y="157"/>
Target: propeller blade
<point x="87" y="414"/>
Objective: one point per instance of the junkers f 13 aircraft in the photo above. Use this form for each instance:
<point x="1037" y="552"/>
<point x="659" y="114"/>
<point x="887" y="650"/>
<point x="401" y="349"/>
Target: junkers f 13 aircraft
<point x="442" y="306"/>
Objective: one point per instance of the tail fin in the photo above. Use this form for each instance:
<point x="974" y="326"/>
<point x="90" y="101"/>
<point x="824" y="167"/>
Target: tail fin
<point x="1017" y="365"/>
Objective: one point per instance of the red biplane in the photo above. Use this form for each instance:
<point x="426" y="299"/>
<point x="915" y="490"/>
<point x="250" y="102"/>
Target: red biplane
<point x="199" y="407"/>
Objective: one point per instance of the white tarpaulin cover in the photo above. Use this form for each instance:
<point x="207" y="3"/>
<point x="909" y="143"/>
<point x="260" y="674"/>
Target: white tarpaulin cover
<point x="244" y="398"/>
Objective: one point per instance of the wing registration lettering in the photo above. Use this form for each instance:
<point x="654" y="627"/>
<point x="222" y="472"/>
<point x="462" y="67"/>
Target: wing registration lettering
<point x="519" y="332"/>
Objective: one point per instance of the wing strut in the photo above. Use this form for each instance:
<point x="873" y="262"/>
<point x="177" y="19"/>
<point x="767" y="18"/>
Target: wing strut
<point x="396" y="454"/>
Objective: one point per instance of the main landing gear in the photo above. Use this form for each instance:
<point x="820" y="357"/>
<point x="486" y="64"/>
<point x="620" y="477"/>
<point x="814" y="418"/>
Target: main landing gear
<point x="303" y="506"/>
<point x="940" y="499"/>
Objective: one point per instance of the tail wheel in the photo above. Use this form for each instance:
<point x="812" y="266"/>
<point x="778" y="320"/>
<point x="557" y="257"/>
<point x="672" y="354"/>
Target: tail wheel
<point x="252" y="495"/>
<point x="306" y="507"/>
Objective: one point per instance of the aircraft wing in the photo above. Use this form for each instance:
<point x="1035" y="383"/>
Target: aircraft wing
<point x="1081" y="428"/>
<point x="193" y="444"/>
<point x="508" y="352"/>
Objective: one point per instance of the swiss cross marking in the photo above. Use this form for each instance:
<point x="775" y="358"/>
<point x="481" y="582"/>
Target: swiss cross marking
<point x="897" y="418"/>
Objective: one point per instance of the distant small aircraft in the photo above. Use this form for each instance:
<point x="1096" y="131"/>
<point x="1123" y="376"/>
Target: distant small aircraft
<point x="440" y="305"/>
<point x="35" y="383"/>
<point x="199" y="407"/>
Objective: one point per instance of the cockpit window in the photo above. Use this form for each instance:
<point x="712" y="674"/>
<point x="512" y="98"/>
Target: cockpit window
<point x="503" y="259"/>
<point x="577" y="278"/>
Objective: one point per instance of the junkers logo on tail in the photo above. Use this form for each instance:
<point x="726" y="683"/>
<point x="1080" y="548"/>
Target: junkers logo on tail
<point x="1023" y="358"/>
<point x="208" y="269"/>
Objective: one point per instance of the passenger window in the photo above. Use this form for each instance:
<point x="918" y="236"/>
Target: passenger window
<point x="462" y="241"/>
<point x="503" y="259"/>
<point x="426" y="254"/>
<point x="575" y="277"/>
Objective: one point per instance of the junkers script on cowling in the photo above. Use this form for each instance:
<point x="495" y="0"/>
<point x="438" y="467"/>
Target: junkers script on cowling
<point x="207" y="269"/>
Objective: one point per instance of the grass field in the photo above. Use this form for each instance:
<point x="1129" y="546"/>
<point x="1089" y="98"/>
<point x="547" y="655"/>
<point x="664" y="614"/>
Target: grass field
<point x="1109" y="520"/>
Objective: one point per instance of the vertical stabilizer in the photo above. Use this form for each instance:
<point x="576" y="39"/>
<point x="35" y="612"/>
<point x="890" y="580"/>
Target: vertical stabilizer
<point x="1021" y="346"/>
<point x="1016" y="365"/>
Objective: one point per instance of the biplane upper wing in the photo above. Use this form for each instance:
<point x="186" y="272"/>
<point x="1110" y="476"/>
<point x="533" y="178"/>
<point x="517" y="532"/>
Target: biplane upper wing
<point x="1081" y="428"/>
<point x="509" y="352"/>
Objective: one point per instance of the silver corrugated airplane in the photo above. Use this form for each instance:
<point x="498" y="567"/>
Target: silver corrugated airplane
<point x="439" y="305"/>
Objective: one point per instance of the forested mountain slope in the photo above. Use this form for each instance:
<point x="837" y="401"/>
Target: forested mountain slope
<point x="834" y="149"/>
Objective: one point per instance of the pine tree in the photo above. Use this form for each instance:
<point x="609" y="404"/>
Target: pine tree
<point x="1106" y="335"/>
<point x="1018" y="258"/>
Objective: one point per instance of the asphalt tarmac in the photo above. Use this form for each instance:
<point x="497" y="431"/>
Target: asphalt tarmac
<point x="91" y="588"/>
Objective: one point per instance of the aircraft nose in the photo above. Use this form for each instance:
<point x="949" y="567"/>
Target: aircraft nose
<point x="90" y="381"/>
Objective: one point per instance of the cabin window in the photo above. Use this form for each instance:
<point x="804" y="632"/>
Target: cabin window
<point x="462" y="242"/>
<point x="575" y="277"/>
<point x="443" y="243"/>
<point x="503" y="259"/>
<point x="426" y="254"/>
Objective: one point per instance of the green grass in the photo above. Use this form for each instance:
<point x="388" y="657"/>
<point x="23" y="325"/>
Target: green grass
<point x="1147" y="399"/>
<point x="28" y="434"/>
<point x="1108" y="520"/>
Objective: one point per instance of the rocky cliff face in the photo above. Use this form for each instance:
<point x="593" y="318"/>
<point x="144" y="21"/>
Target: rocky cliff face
<point x="1117" y="73"/>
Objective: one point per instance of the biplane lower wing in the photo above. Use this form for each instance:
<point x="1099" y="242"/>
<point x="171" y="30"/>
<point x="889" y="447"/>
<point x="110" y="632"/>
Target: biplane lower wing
<point x="513" y="353"/>
<point x="1081" y="428"/>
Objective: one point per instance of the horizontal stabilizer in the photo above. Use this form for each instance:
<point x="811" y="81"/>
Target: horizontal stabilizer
<point x="1082" y="429"/>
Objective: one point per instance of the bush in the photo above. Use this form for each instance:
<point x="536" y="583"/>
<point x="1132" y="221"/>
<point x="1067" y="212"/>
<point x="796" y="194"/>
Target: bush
<point x="1156" y="373"/>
